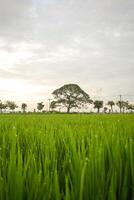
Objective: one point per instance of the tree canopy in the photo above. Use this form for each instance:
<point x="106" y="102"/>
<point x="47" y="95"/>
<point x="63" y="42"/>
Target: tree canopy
<point x="40" y="106"/>
<point x="70" y="96"/>
<point x="111" y="104"/>
<point x="122" y="105"/>
<point x="98" y="104"/>
<point x="2" y="106"/>
<point x="24" y="107"/>
<point x="11" y="105"/>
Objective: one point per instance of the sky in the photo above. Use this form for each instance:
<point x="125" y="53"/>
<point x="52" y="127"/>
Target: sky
<point x="45" y="44"/>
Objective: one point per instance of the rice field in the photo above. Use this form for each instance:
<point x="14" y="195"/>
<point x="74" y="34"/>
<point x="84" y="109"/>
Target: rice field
<point x="66" y="157"/>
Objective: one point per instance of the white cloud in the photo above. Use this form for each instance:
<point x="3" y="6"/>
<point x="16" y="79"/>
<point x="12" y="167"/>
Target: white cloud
<point x="44" y="44"/>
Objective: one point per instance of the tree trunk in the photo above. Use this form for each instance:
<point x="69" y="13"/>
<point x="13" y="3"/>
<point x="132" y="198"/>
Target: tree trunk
<point x="120" y="108"/>
<point x="112" y="108"/>
<point x="68" y="109"/>
<point x="98" y="110"/>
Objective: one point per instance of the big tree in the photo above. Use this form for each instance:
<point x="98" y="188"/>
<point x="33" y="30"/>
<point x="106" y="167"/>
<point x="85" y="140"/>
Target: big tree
<point x="70" y="96"/>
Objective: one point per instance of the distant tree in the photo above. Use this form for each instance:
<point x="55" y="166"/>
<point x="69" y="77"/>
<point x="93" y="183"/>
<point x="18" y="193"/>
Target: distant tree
<point x="98" y="104"/>
<point x="125" y="105"/>
<point x="54" y="105"/>
<point x="122" y="105"/>
<point x="24" y="107"/>
<point x="105" y="109"/>
<point x="111" y="104"/>
<point x="40" y="106"/>
<point x="119" y="104"/>
<point x="2" y="106"/>
<point x="11" y="105"/>
<point x="130" y="107"/>
<point x="70" y="96"/>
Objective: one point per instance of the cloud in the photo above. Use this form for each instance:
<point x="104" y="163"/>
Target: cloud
<point x="45" y="44"/>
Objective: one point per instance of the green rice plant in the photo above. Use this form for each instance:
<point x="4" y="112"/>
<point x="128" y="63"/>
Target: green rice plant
<point x="71" y="157"/>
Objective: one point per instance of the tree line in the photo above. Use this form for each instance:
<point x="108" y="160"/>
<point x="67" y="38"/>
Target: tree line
<point x="71" y="97"/>
<point x="11" y="105"/>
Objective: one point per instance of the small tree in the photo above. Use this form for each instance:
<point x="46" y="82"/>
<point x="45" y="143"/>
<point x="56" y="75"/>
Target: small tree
<point x="2" y="106"/>
<point x="125" y="105"/>
<point x="122" y="105"/>
<point x="70" y="96"/>
<point x="105" y="109"/>
<point x="11" y="105"/>
<point x="98" y="104"/>
<point x="130" y="107"/>
<point x="111" y="104"/>
<point x="119" y="104"/>
<point x="24" y="107"/>
<point x="40" y="106"/>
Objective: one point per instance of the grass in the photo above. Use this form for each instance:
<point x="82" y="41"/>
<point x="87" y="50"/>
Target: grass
<point x="71" y="157"/>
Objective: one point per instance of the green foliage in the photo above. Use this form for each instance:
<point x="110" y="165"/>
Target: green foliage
<point x="70" y="96"/>
<point x="130" y="107"/>
<point x="111" y="104"/>
<point x="105" y="109"/>
<point x="40" y="106"/>
<point x="3" y="106"/>
<point x="66" y="157"/>
<point x="11" y="105"/>
<point x="122" y="105"/>
<point x="24" y="107"/>
<point x="98" y="104"/>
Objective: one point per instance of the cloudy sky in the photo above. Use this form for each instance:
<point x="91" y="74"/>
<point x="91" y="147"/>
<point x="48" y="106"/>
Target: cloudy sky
<point x="47" y="43"/>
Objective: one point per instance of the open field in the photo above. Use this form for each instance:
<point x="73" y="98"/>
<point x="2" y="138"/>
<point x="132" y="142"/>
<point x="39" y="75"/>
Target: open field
<point x="71" y="157"/>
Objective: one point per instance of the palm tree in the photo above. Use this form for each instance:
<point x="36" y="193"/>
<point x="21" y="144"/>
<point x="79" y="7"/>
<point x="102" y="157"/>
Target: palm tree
<point x="111" y="104"/>
<point x="40" y="106"/>
<point x="24" y="107"/>
<point x="98" y="104"/>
